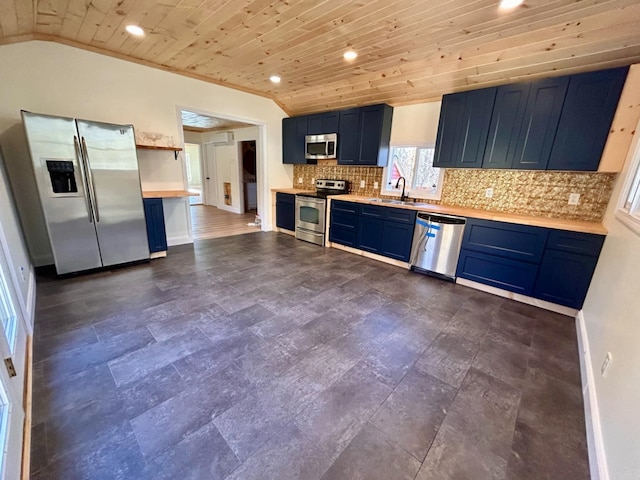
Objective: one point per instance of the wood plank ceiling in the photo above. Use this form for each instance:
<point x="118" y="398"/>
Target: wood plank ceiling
<point x="410" y="51"/>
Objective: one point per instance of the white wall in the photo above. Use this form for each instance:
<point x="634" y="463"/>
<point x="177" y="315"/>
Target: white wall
<point x="415" y="124"/>
<point x="612" y="319"/>
<point x="60" y="80"/>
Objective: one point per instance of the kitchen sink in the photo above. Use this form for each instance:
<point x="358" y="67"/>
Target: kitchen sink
<point x="398" y="202"/>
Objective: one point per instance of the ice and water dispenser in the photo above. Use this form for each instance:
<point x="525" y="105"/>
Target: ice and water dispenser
<point x="62" y="176"/>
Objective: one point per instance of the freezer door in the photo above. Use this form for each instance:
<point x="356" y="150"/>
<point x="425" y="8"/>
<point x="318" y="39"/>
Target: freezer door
<point x="62" y="189"/>
<point x="114" y="184"/>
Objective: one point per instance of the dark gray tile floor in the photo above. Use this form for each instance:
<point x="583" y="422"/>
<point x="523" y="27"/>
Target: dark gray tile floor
<point x="263" y="357"/>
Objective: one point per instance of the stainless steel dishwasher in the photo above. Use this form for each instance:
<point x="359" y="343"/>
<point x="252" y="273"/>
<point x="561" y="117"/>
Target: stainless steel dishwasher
<point x="436" y="244"/>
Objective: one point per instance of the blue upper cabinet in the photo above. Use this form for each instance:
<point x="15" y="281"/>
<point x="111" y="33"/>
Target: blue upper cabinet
<point x="508" y="114"/>
<point x="322" y="123"/>
<point x="294" y="129"/>
<point x="523" y="125"/>
<point x="463" y="128"/>
<point x="364" y="135"/>
<point x="349" y="137"/>
<point x="588" y="111"/>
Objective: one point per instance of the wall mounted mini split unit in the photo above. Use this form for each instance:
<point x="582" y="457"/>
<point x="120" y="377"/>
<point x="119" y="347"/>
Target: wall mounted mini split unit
<point x="222" y="138"/>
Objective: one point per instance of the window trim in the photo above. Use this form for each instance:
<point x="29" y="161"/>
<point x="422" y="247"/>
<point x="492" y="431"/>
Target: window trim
<point x="409" y="190"/>
<point x="630" y="216"/>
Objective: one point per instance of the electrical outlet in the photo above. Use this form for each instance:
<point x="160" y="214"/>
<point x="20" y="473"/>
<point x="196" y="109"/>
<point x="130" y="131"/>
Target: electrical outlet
<point x="375" y="185"/>
<point x="313" y="180"/>
<point x="606" y="364"/>
<point x="299" y="179"/>
<point x="362" y="184"/>
<point x="574" y="198"/>
<point x="488" y="193"/>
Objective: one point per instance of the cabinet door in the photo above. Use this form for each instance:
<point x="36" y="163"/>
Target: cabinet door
<point x="586" y="117"/>
<point x="463" y="128"/>
<point x="396" y="240"/>
<point x="540" y="123"/>
<point x="508" y="113"/>
<point x="375" y="133"/>
<point x="370" y="234"/>
<point x="564" y="278"/>
<point x="154" y="216"/>
<point x="285" y="211"/>
<point x="349" y="138"/>
<point x="321" y="123"/>
<point x="449" y="130"/>
<point x="294" y="130"/>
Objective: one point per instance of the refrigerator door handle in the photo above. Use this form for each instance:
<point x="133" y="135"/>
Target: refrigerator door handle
<point x="92" y="184"/>
<point x="84" y="176"/>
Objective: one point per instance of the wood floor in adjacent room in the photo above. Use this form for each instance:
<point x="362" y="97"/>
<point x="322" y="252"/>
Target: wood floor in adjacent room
<point x="261" y="357"/>
<point x="212" y="222"/>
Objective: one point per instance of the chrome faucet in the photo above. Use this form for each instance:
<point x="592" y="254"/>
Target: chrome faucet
<point x="403" y="197"/>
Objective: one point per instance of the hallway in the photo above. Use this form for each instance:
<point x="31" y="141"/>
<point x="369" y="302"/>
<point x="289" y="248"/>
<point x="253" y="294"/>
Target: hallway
<point x="212" y="222"/>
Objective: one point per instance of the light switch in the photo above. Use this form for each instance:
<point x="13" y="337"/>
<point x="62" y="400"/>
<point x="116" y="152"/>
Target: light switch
<point x="299" y="179"/>
<point x="375" y="185"/>
<point x="362" y="184"/>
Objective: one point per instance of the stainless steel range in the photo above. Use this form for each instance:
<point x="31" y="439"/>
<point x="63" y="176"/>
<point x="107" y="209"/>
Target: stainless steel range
<point x="311" y="210"/>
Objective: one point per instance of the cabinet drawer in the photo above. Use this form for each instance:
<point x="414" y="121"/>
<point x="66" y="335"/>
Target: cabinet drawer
<point x="508" y="240"/>
<point x="285" y="197"/>
<point x="372" y="211"/>
<point x="576" y="242"/>
<point x="401" y="215"/>
<point x="344" y="220"/>
<point x="499" y="272"/>
<point x="347" y="207"/>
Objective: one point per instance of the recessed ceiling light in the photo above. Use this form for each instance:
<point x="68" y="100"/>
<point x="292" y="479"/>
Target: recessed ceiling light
<point x="508" y="4"/>
<point x="350" y="55"/>
<point x="274" y="78"/>
<point x="134" y="30"/>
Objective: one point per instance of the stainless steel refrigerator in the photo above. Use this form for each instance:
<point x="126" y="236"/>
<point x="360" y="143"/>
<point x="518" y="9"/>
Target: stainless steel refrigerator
<point x="89" y="187"/>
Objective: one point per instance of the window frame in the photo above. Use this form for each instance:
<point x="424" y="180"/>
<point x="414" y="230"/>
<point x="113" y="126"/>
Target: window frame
<point x="630" y="214"/>
<point x="410" y="191"/>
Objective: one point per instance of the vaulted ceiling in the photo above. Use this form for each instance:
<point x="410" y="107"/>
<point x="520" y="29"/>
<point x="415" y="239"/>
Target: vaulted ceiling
<point x="410" y="51"/>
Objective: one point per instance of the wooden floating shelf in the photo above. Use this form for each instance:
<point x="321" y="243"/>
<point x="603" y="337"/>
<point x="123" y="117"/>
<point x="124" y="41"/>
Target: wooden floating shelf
<point x="175" y="150"/>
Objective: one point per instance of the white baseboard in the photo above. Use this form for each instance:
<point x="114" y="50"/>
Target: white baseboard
<point x="173" y="241"/>
<point x="229" y="208"/>
<point x="553" y="307"/>
<point x="595" y="443"/>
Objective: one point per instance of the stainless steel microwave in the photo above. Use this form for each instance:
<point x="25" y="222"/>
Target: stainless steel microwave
<point x="319" y="147"/>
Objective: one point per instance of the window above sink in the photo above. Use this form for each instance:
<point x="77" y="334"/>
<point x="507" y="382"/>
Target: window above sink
<point x="415" y="164"/>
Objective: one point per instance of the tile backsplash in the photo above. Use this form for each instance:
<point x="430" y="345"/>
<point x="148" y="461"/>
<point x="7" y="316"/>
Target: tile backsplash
<point x="537" y="193"/>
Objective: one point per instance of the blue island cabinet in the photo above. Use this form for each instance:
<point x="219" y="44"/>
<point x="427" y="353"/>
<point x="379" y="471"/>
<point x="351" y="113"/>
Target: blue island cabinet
<point x="156" y="232"/>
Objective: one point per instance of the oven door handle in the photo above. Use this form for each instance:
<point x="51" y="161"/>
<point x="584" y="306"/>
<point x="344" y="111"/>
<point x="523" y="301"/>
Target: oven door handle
<point x="310" y="200"/>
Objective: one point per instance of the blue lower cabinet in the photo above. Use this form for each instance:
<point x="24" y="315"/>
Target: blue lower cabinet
<point x="156" y="232"/>
<point x="564" y="278"/>
<point x="396" y="240"/>
<point x="286" y="211"/>
<point x="499" y="272"/>
<point x="343" y="236"/>
<point x="370" y="234"/>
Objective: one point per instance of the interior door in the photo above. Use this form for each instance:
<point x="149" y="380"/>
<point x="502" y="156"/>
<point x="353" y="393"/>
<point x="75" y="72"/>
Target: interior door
<point x="114" y="184"/>
<point x="12" y="347"/>
<point x="210" y="180"/>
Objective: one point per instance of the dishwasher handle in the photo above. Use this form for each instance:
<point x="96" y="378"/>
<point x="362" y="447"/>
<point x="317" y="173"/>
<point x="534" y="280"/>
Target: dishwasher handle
<point x="439" y="218"/>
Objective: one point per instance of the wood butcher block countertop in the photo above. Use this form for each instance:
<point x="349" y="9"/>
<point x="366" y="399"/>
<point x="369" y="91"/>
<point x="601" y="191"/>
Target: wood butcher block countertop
<point x="168" y="194"/>
<point x="558" y="223"/>
<point x="291" y="190"/>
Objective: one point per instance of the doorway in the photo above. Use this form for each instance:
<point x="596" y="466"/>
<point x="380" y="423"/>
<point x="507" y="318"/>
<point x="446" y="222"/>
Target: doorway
<point x="231" y="158"/>
<point x="193" y="161"/>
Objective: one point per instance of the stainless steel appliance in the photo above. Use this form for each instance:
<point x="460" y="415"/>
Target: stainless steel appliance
<point x="436" y="244"/>
<point x="320" y="147"/>
<point x="311" y="210"/>
<point x="89" y="187"/>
